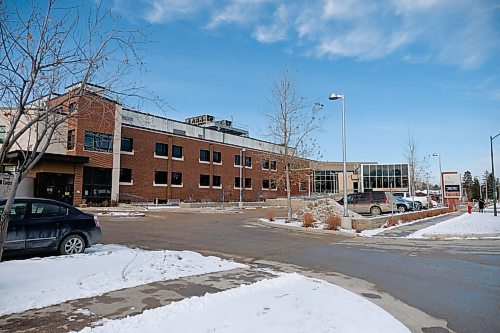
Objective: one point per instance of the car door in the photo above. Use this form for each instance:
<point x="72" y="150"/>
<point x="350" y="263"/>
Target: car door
<point x="362" y="203"/>
<point x="16" y="233"/>
<point x="43" y="226"/>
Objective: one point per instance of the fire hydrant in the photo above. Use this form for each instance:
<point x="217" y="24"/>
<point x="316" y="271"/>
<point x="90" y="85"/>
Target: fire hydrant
<point x="469" y="208"/>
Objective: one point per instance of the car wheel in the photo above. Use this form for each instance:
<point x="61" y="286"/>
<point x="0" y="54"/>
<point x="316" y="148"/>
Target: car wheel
<point x="418" y="205"/>
<point x="402" y="209"/>
<point x="73" y="244"/>
<point x="375" y="210"/>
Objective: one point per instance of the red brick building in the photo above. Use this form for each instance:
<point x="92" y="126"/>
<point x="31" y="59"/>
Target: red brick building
<point x="112" y="153"/>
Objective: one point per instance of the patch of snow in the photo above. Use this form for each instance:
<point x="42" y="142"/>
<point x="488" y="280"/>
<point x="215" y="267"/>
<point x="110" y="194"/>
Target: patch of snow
<point x="462" y="226"/>
<point x="39" y="282"/>
<point x="289" y="303"/>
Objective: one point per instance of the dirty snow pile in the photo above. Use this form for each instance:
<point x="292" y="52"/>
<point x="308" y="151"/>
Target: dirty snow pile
<point x="289" y="303"/>
<point x="39" y="282"/>
<point x="322" y="208"/>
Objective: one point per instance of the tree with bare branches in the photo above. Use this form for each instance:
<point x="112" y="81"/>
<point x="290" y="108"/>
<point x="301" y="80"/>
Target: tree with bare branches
<point x="42" y="51"/>
<point x="419" y="166"/>
<point x="292" y="121"/>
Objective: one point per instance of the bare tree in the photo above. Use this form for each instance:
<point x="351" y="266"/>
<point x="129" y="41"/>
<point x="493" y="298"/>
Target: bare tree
<point x="291" y="122"/>
<point x="418" y="165"/>
<point x="43" y="51"/>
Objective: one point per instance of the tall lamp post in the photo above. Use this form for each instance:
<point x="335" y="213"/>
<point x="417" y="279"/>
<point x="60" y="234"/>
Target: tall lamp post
<point x="440" y="178"/>
<point x="241" y="175"/>
<point x="493" y="175"/>
<point x="333" y="97"/>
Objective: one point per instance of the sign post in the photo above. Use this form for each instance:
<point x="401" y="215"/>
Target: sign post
<point x="452" y="188"/>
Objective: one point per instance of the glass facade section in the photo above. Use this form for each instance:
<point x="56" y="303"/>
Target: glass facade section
<point x="385" y="177"/>
<point x="326" y="182"/>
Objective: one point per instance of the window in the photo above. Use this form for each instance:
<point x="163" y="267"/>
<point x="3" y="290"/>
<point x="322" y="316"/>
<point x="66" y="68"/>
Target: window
<point x="127" y="144"/>
<point x="204" y="155"/>
<point x="176" y="178"/>
<point x="72" y="107"/>
<point x="98" y="142"/>
<point x="2" y="134"/>
<point x="176" y="151"/>
<point x="161" y="149"/>
<point x="71" y="140"/>
<point x="237" y="182"/>
<point x="17" y="211"/>
<point x="204" y="180"/>
<point x="248" y="161"/>
<point x="217" y="157"/>
<point x="302" y="186"/>
<point x="273" y="165"/>
<point x="248" y="182"/>
<point x="265" y="184"/>
<point x="45" y="209"/>
<point x="125" y="175"/>
<point x="161" y="177"/>
<point x="216" y="181"/>
<point x="265" y="165"/>
<point x="274" y="186"/>
<point x="237" y="160"/>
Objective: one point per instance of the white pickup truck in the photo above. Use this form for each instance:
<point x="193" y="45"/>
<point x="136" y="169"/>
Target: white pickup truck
<point x="419" y="201"/>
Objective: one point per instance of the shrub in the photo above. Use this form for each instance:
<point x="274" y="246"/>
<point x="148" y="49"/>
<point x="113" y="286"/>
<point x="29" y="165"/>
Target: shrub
<point x="358" y="229"/>
<point x="270" y="215"/>
<point x="333" y="222"/>
<point x="392" y="221"/>
<point x="308" y="220"/>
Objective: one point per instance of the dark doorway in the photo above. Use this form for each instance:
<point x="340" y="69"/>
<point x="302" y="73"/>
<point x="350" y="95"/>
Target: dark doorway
<point x="96" y="184"/>
<point x="56" y="186"/>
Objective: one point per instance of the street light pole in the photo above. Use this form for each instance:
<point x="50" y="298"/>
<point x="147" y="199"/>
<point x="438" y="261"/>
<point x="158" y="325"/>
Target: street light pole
<point x="493" y="176"/>
<point x="241" y="175"/>
<point x="333" y="97"/>
<point x="440" y="178"/>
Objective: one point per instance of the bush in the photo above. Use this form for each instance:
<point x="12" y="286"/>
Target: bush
<point x="308" y="220"/>
<point x="392" y="221"/>
<point x="270" y="215"/>
<point x="333" y="222"/>
<point x="358" y="229"/>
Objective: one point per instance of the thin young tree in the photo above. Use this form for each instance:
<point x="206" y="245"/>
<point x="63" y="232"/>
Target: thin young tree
<point x="292" y="121"/>
<point x="42" y="50"/>
<point x="418" y="165"/>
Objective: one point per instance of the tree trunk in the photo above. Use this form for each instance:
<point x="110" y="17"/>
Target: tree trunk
<point x="5" y="216"/>
<point x="288" y="194"/>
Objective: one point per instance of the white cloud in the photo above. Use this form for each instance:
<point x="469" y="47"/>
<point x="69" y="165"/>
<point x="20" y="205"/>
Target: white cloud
<point x="455" y="32"/>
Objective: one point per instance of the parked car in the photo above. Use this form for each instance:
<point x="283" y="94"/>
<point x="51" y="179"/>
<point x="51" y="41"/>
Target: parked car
<point x="420" y="202"/>
<point x="374" y="203"/>
<point x="47" y="225"/>
<point x="403" y="205"/>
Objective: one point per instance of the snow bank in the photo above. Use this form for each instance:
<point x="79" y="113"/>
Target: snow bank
<point x="462" y="226"/>
<point x="39" y="282"/>
<point x="322" y="208"/>
<point x="289" y="303"/>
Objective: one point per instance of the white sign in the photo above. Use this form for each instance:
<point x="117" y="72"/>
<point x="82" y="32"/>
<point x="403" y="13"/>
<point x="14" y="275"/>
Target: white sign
<point x="452" y="185"/>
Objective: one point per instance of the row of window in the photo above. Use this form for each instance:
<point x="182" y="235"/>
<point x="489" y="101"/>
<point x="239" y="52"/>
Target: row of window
<point x="103" y="142"/>
<point x="161" y="178"/>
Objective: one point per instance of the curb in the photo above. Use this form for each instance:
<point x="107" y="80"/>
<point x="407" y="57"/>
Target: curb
<point x="466" y="236"/>
<point x="306" y="230"/>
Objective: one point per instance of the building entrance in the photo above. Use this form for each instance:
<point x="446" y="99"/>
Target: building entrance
<point x="56" y="186"/>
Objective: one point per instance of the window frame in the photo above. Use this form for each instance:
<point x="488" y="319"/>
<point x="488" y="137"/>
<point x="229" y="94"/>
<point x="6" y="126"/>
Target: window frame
<point x="175" y="150"/>
<point x="205" y="177"/>
<point x="174" y="175"/>
<point x="214" y="182"/>
<point x="70" y="144"/>
<point x="217" y="160"/>
<point x="204" y="156"/>
<point x="127" y="181"/>
<point x="164" y="150"/>
<point x="249" y="160"/>
<point x="131" y="143"/>
<point x="159" y="182"/>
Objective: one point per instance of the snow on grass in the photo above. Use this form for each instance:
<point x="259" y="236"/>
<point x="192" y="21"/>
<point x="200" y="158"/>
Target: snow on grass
<point x="289" y="303"/>
<point x="282" y="221"/>
<point x="462" y="226"/>
<point x="39" y="282"/>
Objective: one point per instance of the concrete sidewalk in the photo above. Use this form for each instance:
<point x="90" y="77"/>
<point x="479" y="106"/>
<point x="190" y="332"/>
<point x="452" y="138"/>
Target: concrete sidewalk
<point x="76" y="314"/>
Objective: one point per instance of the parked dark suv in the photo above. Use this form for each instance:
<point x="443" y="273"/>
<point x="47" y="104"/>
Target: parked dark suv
<point x="46" y="225"/>
<point x="374" y="203"/>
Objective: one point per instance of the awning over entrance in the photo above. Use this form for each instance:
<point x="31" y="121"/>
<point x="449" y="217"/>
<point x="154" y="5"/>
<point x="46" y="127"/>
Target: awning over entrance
<point x="18" y="155"/>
